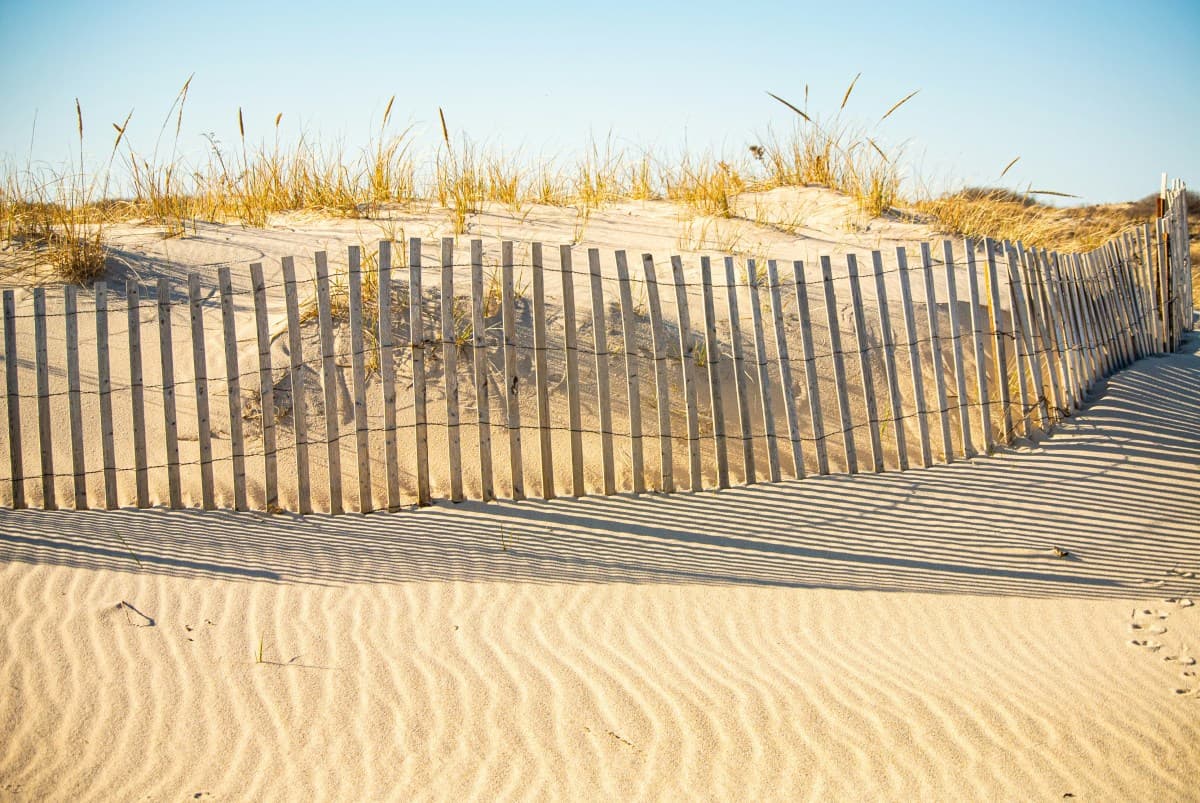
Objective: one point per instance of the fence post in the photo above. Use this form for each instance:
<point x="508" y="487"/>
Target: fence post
<point x="79" y="468"/>
<point x="764" y="381"/>
<point x="935" y="349"/>
<point x="200" y="374"/>
<point x="136" y="394"/>
<point x="979" y="347"/>
<point x="785" y="369"/>
<point x="233" y="377"/>
<point x="998" y="341"/>
<point x="105" y="387"/>
<point x="604" y="398"/>
<point x="15" y="454"/>
<point x="960" y="375"/>
<point x="1023" y="346"/>
<point x="864" y="364"/>
<point x="571" y="348"/>
<point x="41" y="361"/>
<point x="450" y="371"/>
<point x="629" y="329"/>
<point x="839" y="367"/>
<point x="712" y="359"/>
<point x="914" y="356"/>
<point x="739" y="377"/>
<point x="889" y="361"/>
<point x="541" y="372"/>
<point x="166" y="355"/>
<point x="362" y="440"/>
<point x="483" y="412"/>
<point x="266" y="388"/>
<point x="662" y="383"/>
<point x="296" y="382"/>
<point x="387" y="375"/>
<point x="687" y="359"/>
<point x="511" y="380"/>
<point x="416" y="337"/>
<point x="816" y="417"/>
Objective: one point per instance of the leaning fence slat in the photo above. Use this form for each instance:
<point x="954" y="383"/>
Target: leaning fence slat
<point x="104" y="380"/>
<point x="1024" y="315"/>
<point x="166" y="353"/>
<point x="483" y="412"/>
<point x="604" y="397"/>
<point x="136" y="392"/>
<point x="266" y="388"/>
<point x="1056" y="321"/>
<point x="541" y="371"/>
<point x="935" y="350"/>
<point x="632" y="380"/>
<point x="200" y="374"/>
<point x="687" y="359"/>
<point x="839" y="367"/>
<point x="233" y="377"/>
<point x="914" y="355"/>
<point x="998" y="335"/>
<point x="571" y="349"/>
<point x="739" y="374"/>
<point x="12" y="386"/>
<point x="978" y="326"/>
<point x="785" y="370"/>
<point x="42" y="365"/>
<point x="764" y="381"/>
<point x="960" y="374"/>
<point x="296" y="383"/>
<point x="662" y="385"/>
<point x="889" y="361"/>
<point x="864" y="364"/>
<point x="358" y="374"/>
<point x="712" y="351"/>
<point x="416" y="337"/>
<point x="1074" y="326"/>
<point x="1087" y="332"/>
<point x="387" y="375"/>
<point x="78" y="466"/>
<point x="816" y="418"/>
<point x="1070" y="342"/>
<point x="511" y="379"/>
<point x="450" y="372"/>
<point x="333" y="444"/>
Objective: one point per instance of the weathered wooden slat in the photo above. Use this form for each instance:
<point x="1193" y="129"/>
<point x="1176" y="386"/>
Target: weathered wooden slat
<point x="960" y="373"/>
<point x="1096" y="332"/>
<point x="816" y="417"/>
<point x="416" y="336"/>
<point x="358" y="376"/>
<point x="483" y="414"/>
<point x="662" y="384"/>
<point x="632" y="380"/>
<point x="1079" y="298"/>
<point x="839" y="366"/>
<point x="764" y="380"/>
<point x="1056" y="320"/>
<point x="333" y="441"/>
<point x="387" y="375"/>
<point x="712" y="352"/>
<point x="978" y="326"/>
<point x="1023" y="344"/>
<point x="889" y="361"/>
<point x="166" y="354"/>
<point x="104" y="380"/>
<point x="914" y="356"/>
<point x="864" y="364"/>
<point x="450" y="372"/>
<point x="200" y="374"/>
<point x="783" y="360"/>
<point x="237" y="444"/>
<point x="687" y="359"/>
<point x="296" y="383"/>
<point x="42" y="379"/>
<point x="75" y="406"/>
<point x="266" y="388"/>
<point x="604" y="397"/>
<point x="739" y="372"/>
<point x="998" y="345"/>
<point x="137" y="393"/>
<point x="13" y="388"/>
<point x="512" y="383"/>
<point x="541" y="372"/>
<point x="571" y="348"/>
<point x="935" y="350"/>
<point x="1074" y="326"/>
<point x="1037" y="341"/>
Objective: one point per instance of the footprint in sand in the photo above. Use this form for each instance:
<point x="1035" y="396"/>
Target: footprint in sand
<point x="1158" y="630"/>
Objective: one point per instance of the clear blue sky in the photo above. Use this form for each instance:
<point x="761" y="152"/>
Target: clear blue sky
<point x="1096" y="98"/>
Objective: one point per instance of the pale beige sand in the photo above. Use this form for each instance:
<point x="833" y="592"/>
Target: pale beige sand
<point x="895" y="636"/>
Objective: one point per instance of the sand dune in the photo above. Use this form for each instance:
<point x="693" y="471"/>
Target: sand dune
<point x="894" y="636"/>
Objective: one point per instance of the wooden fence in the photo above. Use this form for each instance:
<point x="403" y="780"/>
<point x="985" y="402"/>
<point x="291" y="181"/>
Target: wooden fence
<point x="422" y="376"/>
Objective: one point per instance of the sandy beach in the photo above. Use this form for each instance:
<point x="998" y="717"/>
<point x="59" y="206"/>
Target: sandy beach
<point x="1019" y="627"/>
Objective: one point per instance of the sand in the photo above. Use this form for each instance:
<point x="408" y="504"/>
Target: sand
<point x="894" y="636"/>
